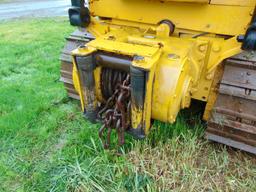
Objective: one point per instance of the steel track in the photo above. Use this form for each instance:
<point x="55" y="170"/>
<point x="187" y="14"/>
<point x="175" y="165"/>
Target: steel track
<point x="76" y="39"/>
<point x="233" y="120"/>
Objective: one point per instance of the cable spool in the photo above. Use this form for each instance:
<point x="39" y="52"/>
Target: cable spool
<point x="110" y="78"/>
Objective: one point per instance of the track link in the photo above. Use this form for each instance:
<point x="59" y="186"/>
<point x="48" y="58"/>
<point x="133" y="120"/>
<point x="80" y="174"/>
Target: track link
<point x="76" y="39"/>
<point x="233" y="119"/>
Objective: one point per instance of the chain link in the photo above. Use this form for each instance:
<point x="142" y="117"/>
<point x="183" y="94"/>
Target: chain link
<point x="116" y="113"/>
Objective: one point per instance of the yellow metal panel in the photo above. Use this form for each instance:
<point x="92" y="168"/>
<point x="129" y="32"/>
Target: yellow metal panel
<point x="219" y="19"/>
<point x="123" y="48"/>
<point x="222" y="49"/>
<point x="149" y="90"/>
<point x="77" y="83"/>
<point x="213" y="92"/>
<point x="177" y="71"/>
<point x="189" y="1"/>
<point x="234" y="2"/>
<point x="166" y="79"/>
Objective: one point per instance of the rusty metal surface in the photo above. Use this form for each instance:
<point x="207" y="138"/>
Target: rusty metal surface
<point x="240" y="132"/>
<point x="109" y="79"/>
<point x="231" y="142"/>
<point x="240" y="74"/>
<point x="116" y="112"/>
<point x="246" y="56"/>
<point x="113" y="61"/>
<point x="233" y="118"/>
<point x="76" y="39"/>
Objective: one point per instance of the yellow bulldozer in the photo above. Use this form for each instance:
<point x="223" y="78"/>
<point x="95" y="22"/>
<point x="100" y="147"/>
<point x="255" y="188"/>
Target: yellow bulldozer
<point x="134" y="61"/>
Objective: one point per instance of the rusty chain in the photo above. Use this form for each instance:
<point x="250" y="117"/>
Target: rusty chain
<point x="116" y="113"/>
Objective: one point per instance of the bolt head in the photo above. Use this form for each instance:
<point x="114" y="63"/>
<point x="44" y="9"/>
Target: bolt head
<point x="202" y="48"/>
<point x="82" y="47"/>
<point x="216" y="48"/>
<point x="138" y="58"/>
<point x="173" y="56"/>
<point x="240" y="38"/>
<point x="209" y="76"/>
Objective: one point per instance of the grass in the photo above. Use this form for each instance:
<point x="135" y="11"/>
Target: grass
<point x="46" y="145"/>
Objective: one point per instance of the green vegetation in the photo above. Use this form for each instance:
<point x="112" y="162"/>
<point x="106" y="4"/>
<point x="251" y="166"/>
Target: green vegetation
<point x="46" y="145"/>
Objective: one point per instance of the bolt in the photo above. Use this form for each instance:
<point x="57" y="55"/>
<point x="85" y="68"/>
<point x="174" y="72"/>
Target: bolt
<point x="202" y="48"/>
<point x="240" y="38"/>
<point x="149" y="36"/>
<point x="216" y="48"/>
<point x="111" y="37"/>
<point x="173" y="56"/>
<point x="247" y="91"/>
<point x="209" y="76"/>
<point x="82" y="47"/>
<point x="138" y="58"/>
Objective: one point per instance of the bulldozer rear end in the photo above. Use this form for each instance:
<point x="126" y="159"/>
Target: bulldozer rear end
<point x="138" y="60"/>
